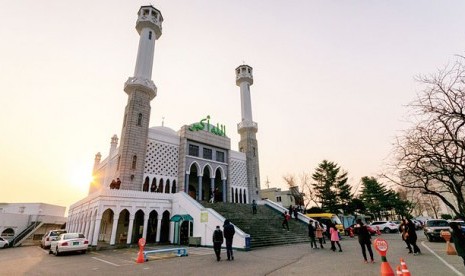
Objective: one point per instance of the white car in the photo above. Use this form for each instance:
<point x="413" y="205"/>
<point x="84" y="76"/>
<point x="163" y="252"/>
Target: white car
<point x="3" y="243"/>
<point x="50" y="236"/>
<point x="69" y="242"/>
<point x="385" y="226"/>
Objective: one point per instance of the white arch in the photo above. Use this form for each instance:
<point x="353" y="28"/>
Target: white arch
<point x="196" y="165"/>
<point x="210" y="168"/>
<point x="223" y="175"/>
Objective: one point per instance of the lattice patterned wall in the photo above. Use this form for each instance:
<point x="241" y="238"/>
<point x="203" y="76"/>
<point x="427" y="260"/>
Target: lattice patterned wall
<point x="238" y="173"/>
<point x="161" y="159"/>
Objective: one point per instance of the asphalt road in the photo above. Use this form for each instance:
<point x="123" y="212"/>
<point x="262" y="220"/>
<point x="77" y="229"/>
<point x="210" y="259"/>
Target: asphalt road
<point x="297" y="259"/>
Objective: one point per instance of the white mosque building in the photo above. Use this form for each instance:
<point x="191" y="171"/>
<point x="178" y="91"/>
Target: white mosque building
<point x="164" y="174"/>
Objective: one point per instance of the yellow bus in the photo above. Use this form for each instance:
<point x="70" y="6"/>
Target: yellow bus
<point x="326" y="218"/>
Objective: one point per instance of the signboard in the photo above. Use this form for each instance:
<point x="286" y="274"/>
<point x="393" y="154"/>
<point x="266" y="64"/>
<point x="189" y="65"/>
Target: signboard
<point x="203" y="217"/>
<point x="204" y="124"/>
<point x="381" y="246"/>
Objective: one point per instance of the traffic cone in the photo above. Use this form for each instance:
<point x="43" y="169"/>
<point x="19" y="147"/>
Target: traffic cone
<point x="405" y="271"/>
<point x="377" y="231"/>
<point x="386" y="269"/>
<point x="399" y="271"/>
<point x="140" y="256"/>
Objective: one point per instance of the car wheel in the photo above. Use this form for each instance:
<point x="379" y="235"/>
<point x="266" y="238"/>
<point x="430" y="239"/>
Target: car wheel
<point x="386" y="230"/>
<point x="5" y="246"/>
<point x="50" y="251"/>
<point x="57" y="253"/>
<point x="429" y="238"/>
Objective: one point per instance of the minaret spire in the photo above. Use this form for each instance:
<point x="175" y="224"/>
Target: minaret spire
<point x="141" y="90"/>
<point x="247" y="128"/>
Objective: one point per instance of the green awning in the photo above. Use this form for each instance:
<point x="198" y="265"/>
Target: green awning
<point x="177" y="218"/>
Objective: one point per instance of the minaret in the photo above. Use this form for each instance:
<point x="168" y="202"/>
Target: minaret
<point x="94" y="185"/>
<point x="247" y="128"/>
<point x="141" y="90"/>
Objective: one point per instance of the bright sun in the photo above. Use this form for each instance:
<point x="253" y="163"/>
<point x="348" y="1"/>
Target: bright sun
<point x="81" y="177"/>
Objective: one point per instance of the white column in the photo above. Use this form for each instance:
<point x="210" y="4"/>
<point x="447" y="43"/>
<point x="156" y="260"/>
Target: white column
<point x="157" y="239"/>
<point x="86" y="229"/>
<point x="90" y="236"/>
<point x="96" y="231"/>
<point x="113" y="229"/>
<point x="131" y="225"/>
<point x="146" y="223"/>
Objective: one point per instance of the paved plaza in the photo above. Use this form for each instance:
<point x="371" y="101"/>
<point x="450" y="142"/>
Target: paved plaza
<point x="297" y="259"/>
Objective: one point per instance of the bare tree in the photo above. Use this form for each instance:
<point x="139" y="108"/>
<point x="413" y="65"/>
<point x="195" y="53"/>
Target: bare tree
<point x="431" y="155"/>
<point x="305" y="192"/>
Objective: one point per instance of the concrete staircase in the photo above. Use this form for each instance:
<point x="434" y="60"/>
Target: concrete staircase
<point x="265" y="227"/>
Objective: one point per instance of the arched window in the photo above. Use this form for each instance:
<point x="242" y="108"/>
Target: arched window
<point x="124" y="120"/>
<point x="173" y="187"/>
<point x="119" y="162"/>
<point x="153" y="187"/>
<point x="167" y="186"/>
<point x="145" y="188"/>
<point x="150" y="35"/>
<point x="134" y="162"/>
<point x="160" y="186"/>
<point x="139" y="119"/>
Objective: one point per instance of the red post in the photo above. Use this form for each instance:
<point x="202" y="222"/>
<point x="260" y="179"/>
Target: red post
<point x="140" y="255"/>
<point x="381" y="246"/>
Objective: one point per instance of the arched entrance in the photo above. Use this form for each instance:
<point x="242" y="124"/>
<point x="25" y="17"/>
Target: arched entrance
<point x="145" y="187"/>
<point x="8" y="233"/>
<point x="152" y="227"/>
<point x="193" y="181"/>
<point x="206" y="184"/>
<point x="138" y="226"/>
<point x="122" y="228"/>
<point x="165" y="228"/>
<point x="106" y="225"/>
<point x="218" y="184"/>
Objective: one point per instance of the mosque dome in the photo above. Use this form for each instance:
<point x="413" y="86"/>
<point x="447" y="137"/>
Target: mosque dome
<point x="163" y="130"/>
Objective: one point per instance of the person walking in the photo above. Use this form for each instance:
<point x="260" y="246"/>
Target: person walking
<point x="364" y="239"/>
<point x="311" y="234"/>
<point x="291" y="210"/>
<point x="296" y="212"/>
<point x="286" y="217"/>
<point x="217" y="242"/>
<point x="228" y="230"/>
<point x="412" y="237"/>
<point x="459" y="240"/>
<point x="319" y="233"/>
<point x="334" y="238"/>
<point x="403" y="232"/>
<point x="254" y="207"/>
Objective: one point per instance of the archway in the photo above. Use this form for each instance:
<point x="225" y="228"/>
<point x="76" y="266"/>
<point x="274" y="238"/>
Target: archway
<point x="138" y="226"/>
<point x="152" y="227"/>
<point x="173" y="187"/>
<point x="193" y="181"/>
<point x="165" y="228"/>
<point x="236" y="198"/>
<point x="218" y="183"/>
<point x="145" y="188"/>
<point x="206" y="184"/>
<point x="160" y="186"/>
<point x="106" y="225"/>
<point x="8" y="233"/>
<point x="153" y="187"/>
<point x="122" y="227"/>
<point x="245" y="196"/>
<point x="167" y="187"/>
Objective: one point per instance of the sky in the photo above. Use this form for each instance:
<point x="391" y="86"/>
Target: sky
<point x="331" y="81"/>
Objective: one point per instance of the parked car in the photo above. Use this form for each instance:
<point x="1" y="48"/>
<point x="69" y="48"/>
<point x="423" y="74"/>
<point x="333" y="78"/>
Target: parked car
<point x="417" y="223"/>
<point x="69" y="242"/>
<point x="433" y="228"/>
<point x="50" y="236"/>
<point x="3" y="243"/>
<point x="385" y="226"/>
<point x="371" y="230"/>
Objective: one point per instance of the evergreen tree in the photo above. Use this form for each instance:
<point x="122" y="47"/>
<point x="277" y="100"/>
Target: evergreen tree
<point x="331" y="188"/>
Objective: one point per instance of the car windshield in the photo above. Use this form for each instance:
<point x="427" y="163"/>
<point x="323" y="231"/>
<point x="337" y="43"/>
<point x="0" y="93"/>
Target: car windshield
<point x="56" y="233"/>
<point x="435" y="223"/>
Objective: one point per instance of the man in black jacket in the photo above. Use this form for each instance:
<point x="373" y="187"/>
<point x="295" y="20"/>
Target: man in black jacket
<point x="217" y="242"/>
<point x="228" y="235"/>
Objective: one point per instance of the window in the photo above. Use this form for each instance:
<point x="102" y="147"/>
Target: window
<point x="134" y="162"/>
<point x="139" y="119"/>
<point x="253" y="151"/>
<point x="220" y="156"/>
<point x="124" y="120"/>
<point x="150" y="35"/>
<point x="207" y="153"/>
<point x="193" y="150"/>
<point x="119" y="162"/>
<point x="256" y="182"/>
